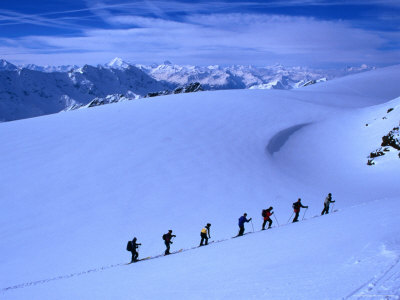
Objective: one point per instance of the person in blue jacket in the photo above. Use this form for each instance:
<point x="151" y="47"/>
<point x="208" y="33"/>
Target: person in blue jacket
<point x="243" y="219"/>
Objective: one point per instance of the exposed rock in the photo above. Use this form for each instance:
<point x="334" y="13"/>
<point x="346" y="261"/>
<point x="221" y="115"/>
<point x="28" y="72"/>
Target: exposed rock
<point x="376" y="153"/>
<point x="189" y="88"/>
<point x="114" y="98"/>
<point x="392" y="139"/>
<point x="155" y="94"/>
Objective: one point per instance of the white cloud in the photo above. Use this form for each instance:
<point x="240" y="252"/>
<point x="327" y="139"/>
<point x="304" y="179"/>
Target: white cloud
<point x="221" y="38"/>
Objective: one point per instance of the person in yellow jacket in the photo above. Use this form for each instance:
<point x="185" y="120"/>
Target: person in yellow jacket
<point x="205" y="234"/>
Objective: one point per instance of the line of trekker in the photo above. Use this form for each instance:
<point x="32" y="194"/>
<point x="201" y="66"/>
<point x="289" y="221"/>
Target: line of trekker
<point x="205" y="232"/>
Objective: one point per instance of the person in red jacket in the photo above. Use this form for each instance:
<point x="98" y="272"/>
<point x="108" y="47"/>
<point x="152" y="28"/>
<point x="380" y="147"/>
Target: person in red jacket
<point x="296" y="207"/>
<point x="267" y="213"/>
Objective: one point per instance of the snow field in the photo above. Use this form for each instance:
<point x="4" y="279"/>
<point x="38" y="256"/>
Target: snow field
<point x="77" y="186"/>
<point x="319" y="258"/>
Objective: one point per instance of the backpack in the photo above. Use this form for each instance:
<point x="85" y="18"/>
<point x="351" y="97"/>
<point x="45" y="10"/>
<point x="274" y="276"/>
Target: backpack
<point x="164" y="237"/>
<point x="129" y="246"/>
<point x="264" y="213"/>
<point x="295" y="205"/>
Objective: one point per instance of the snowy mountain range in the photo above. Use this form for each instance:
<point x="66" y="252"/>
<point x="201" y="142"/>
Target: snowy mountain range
<point x="30" y="90"/>
<point x="26" y="93"/>
<point x="238" y="76"/>
<point x="76" y="186"/>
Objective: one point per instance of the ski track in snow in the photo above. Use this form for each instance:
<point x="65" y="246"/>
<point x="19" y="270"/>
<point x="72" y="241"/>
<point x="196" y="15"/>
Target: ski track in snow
<point x="385" y="285"/>
<point x="99" y="269"/>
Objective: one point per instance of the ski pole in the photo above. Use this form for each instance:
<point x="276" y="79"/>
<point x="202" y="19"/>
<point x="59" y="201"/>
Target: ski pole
<point x="333" y="205"/>
<point x="252" y="224"/>
<point x="290" y="218"/>
<point x="276" y="220"/>
<point x="305" y="213"/>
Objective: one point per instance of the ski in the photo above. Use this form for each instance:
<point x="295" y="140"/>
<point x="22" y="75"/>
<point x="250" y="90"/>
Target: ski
<point x="209" y="243"/>
<point x="146" y="258"/>
<point x="174" y="252"/>
<point x="236" y="236"/>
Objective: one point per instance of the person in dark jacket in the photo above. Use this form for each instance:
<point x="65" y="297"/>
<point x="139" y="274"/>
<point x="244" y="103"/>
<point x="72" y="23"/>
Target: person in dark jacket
<point x="242" y="220"/>
<point x="135" y="253"/>
<point x="296" y="207"/>
<point x="267" y="213"/>
<point x="167" y="240"/>
<point x="205" y="234"/>
<point x="327" y="202"/>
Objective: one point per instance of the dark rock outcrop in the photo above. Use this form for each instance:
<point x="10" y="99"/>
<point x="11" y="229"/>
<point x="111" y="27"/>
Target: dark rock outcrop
<point x="189" y="88"/>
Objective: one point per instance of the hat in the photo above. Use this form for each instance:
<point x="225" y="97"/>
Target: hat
<point x="270" y="208"/>
<point x="170" y="230"/>
<point x="208" y="225"/>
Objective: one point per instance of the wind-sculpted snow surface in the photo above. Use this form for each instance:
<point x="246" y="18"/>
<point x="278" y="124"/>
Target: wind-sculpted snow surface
<point x="278" y="140"/>
<point x="77" y="186"/>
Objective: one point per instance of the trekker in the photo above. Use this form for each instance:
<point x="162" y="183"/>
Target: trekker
<point x="296" y="206"/>
<point x="267" y="213"/>
<point x="205" y="234"/>
<point x="242" y="220"/>
<point x="327" y="202"/>
<point x="133" y="247"/>
<point x="167" y="240"/>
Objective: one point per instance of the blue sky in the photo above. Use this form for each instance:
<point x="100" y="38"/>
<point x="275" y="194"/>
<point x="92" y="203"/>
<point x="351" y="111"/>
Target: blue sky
<point x="312" y="33"/>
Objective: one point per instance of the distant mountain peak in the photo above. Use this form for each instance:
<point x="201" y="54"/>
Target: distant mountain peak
<point x="49" y="68"/>
<point x="7" y="66"/>
<point x="118" y="63"/>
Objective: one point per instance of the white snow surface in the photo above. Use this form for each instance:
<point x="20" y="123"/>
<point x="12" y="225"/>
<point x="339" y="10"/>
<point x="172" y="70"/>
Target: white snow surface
<point x="75" y="187"/>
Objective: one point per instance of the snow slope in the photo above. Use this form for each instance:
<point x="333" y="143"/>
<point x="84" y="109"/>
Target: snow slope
<point x="76" y="186"/>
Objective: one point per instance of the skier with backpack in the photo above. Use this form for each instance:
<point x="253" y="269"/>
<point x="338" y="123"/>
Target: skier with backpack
<point x="205" y="234"/>
<point x="296" y="207"/>
<point x="267" y="213"/>
<point x="167" y="237"/>
<point x="132" y="246"/>
<point x="327" y="202"/>
<point x="243" y="219"/>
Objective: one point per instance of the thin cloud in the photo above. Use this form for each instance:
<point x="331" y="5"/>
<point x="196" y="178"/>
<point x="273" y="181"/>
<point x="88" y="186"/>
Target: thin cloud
<point x="149" y="31"/>
<point x="254" y="39"/>
<point x="161" y="9"/>
<point x="13" y="18"/>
